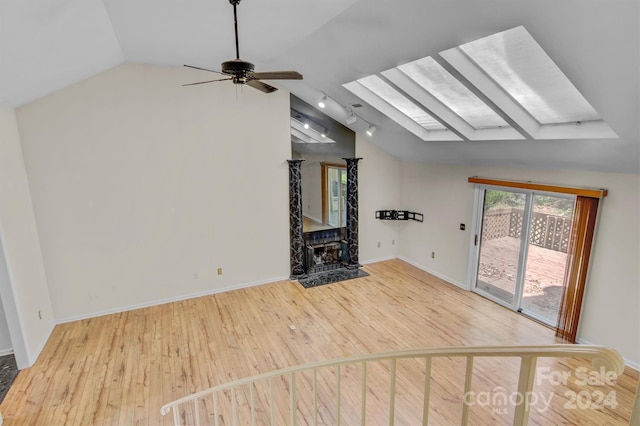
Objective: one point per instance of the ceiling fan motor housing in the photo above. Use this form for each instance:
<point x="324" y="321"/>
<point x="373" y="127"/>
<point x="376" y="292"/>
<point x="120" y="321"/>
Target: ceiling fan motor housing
<point x="238" y="68"/>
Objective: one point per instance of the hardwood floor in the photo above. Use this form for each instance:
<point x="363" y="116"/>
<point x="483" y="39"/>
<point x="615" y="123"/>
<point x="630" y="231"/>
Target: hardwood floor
<point x="120" y="369"/>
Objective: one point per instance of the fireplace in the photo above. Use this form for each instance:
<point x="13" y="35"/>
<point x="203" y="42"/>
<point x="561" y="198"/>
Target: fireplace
<point x="312" y="252"/>
<point x="325" y="250"/>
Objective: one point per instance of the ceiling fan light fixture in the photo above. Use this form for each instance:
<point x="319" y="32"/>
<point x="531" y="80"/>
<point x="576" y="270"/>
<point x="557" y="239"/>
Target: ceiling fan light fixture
<point x="371" y="130"/>
<point x="323" y="101"/>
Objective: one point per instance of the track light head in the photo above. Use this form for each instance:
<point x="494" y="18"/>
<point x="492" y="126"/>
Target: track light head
<point x="351" y="118"/>
<point x="323" y="101"/>
<point x="371" y="130"/>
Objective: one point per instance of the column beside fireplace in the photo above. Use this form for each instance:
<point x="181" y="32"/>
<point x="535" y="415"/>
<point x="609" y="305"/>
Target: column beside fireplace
<point x="295" y="220"/>
<point x="352" y="212"/>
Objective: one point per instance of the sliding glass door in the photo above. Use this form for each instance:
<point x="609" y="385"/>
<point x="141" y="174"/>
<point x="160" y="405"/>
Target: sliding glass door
<point x="549" y="229"/>
<point x="521" y="249"/>
<point x="500" y="246"/>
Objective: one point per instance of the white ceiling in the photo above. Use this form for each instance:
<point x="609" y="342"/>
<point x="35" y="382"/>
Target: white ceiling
<point x="46" y="45"/>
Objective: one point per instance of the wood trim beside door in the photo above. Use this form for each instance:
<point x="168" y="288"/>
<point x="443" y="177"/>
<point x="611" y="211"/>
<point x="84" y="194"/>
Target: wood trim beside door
<point x="584" y="192"/>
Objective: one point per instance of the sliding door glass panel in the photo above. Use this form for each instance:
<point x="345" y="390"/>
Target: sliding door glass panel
<point x="549" y="230"/>
<point x="500" y="243"/>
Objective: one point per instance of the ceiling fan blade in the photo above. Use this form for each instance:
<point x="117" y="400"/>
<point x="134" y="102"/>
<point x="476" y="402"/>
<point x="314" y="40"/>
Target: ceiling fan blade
<point x="203" y="69"/>
<point x="277" y="75"/>
<point x="208" y="81"/>
<point x="263" y="87"/>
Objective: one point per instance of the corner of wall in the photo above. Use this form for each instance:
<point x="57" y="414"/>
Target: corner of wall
<point x="378" y="189"/>
<point x="25" y="291"/>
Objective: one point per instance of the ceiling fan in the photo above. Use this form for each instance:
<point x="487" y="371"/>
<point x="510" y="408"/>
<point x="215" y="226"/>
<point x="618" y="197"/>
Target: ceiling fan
<point x="242" y="72"/>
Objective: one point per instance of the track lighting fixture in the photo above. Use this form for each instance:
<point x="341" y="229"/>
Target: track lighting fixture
<point x="351" y="118"/>
<point x="306" y="130"/>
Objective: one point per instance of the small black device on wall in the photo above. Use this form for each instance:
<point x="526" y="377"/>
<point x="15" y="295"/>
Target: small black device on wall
<point x="398" y="215"/>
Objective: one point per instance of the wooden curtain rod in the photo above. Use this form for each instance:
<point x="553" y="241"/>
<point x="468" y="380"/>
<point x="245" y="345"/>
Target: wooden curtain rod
<point x="584" y="192"/>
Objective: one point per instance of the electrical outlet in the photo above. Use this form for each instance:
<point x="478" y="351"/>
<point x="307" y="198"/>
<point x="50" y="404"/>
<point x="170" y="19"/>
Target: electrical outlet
<point x="433" y="254"/>
<point x="40" y="314"/>
<point x="219" y="271"/>
<point x="195" y="276"/>
<point x="462" y="226"/>
<point x="378" y="244"/>
<point x="393" y="242"/>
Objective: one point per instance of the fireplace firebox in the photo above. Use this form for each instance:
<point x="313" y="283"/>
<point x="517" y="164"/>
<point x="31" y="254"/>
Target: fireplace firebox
<point x="325" y="250"/>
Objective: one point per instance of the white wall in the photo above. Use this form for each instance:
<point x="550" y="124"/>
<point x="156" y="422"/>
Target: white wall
<point x="445" y="201"/>
<point x="26" y="298"/>
<point x="611" y="314"/>
<point x="378" y="189"/>
<point x="139" y="183"/>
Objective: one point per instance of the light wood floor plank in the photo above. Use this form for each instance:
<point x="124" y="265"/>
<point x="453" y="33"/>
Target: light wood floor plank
<point x="120" y="369"/>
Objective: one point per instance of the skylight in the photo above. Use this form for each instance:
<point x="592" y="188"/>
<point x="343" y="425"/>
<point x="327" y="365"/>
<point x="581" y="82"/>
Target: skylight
<point x="523" y="69"/>
<point x="399" y="101"/>
<point x="511" y="90"/>
<point x="432" y="77"/>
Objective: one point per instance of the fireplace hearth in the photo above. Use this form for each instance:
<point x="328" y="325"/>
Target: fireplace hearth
<point x="330" y="277"/>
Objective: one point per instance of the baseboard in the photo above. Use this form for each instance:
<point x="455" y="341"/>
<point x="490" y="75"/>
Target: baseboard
<point x="627" y="362"/>
<point x="380" y="259"/>
<point x="169" y="300"/>
<point x="434" y="273"/>
<point x="4" y="352"/>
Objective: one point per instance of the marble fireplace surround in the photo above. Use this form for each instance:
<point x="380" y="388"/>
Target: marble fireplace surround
<point x="297" y="244"/>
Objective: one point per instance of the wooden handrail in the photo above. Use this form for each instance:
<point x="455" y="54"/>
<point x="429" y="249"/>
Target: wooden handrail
<point x="600" y="357"/>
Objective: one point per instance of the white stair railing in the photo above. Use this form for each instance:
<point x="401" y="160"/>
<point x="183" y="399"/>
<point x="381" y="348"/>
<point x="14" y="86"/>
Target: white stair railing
<point x="187" y="410"/>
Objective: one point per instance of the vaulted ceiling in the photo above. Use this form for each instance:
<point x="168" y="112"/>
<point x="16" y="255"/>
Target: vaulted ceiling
<point x="47" y="45"/>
